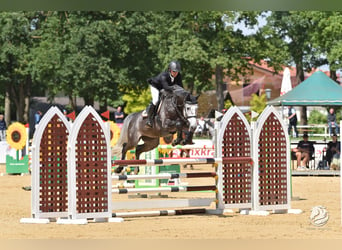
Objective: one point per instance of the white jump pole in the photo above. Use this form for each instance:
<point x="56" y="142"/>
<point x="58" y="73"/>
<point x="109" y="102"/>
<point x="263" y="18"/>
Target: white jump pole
<point x="163" y="189"/>
<point x="163" y="162"/>
<point x="160" y="213"/>
<point x="164" y="176"/>
<point x="180" y="147"/>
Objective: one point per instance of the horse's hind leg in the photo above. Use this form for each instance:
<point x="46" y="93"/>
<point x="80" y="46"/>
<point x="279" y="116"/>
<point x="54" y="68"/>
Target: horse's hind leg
<point x="123" y="157"/>
<point x="149" y="144"/>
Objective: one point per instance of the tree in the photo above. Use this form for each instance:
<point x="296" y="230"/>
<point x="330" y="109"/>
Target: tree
<point x="15" y="46"/>
<point x="74" y="55"/>
<point x="206" y="44"/>
<point x="94" y="55"/>
<point x="103" y="55"/>
<point x="258" y="104"/>
<point x="136" y="101"/>
<point x="327" y="39"/>
<point x="294" y="29"/>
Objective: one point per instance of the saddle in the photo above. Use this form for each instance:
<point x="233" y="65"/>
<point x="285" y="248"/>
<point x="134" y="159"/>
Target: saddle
<point x="144" y="113"/>
<point x="162" y="97"/>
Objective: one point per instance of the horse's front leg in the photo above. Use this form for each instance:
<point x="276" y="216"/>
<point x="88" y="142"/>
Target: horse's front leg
<point x="179" y="138"/>
<point x="188" y="138"/>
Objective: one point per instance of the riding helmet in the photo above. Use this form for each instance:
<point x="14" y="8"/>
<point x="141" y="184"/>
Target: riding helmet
<point x="175" y="66"/>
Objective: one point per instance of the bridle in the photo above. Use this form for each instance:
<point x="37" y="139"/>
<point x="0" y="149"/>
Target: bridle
<point x="189" y="109"/>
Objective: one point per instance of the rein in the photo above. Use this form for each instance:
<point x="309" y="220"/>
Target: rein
<point x="177" y="108"/>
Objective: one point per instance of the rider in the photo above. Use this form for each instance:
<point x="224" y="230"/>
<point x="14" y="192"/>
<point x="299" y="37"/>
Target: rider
<point x="163" y="81"/>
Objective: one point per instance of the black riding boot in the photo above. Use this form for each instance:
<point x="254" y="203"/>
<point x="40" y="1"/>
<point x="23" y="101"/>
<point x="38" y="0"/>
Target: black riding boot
<point x="150" y="113"/>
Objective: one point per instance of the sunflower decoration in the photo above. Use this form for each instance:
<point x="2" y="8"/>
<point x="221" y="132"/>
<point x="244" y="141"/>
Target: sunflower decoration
<point x="16" y="135"/>
<point x="114" y="133"/>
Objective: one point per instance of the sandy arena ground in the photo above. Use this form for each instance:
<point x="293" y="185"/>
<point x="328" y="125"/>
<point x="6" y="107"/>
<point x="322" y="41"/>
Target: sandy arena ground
<point x="308" y="191"/>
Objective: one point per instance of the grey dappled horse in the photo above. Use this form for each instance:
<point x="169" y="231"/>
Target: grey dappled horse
<point x="177" y="112"/>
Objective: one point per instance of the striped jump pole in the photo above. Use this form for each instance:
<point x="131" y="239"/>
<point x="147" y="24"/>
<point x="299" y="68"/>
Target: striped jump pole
<point x="160" y="213"/>
<point x="186" y="147"/>
<point x="164" y="176"/>
<point x="164" y="189"/>
<point x="163" y="162"/>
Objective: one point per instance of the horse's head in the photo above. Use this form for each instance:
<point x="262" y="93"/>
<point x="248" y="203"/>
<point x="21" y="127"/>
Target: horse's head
<point x="186" y="105"/>
<point x="190" y="111"/>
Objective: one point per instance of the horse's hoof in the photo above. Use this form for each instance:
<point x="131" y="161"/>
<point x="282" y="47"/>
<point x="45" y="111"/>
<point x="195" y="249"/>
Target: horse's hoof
<point x="185" y="142"/>
<point x="118" y="170"/>
<point x="175" y="142"/>
<point x="168" y="139"/>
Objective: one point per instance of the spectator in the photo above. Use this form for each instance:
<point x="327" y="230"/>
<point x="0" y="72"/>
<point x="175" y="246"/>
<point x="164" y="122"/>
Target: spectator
<point x="37" y="117"/>
<point x="3" y="128"/>
<point x="304" y="152"/>
<point x="119" y="115"/>
<point x="332" y="122"/>
<point x="333" y="149"/>
<point x="292" y="116"/>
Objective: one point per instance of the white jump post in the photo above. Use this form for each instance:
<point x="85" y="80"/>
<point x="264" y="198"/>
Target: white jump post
<point x="246" y="160"/>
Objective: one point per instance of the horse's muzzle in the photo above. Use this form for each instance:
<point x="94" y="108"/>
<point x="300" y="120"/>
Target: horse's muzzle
<point x="192" y="123"/>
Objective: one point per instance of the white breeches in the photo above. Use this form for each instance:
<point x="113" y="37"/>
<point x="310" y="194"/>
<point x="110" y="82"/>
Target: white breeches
<point x="155" y="95"/>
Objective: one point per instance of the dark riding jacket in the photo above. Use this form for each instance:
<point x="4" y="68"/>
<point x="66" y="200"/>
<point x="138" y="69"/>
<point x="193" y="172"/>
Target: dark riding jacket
<point x="164" y="81"/>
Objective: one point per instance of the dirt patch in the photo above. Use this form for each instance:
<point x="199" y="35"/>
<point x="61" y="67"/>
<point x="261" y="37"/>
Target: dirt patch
<point x="307" y="192"/>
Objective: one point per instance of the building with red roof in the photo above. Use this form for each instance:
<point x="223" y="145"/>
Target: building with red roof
<point x="263" y="78"/>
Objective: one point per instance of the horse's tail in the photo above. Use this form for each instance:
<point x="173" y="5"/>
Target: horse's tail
<point x="116" y="151"/>
<point x="117" y="148"/>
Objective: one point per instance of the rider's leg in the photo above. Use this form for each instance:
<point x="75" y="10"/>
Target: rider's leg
<point x="150" y="112"/>
<point x="151" y="108"/>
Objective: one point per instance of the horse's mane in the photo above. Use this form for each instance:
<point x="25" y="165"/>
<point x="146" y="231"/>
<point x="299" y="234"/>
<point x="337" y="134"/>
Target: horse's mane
<point x="178" y="91"/>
